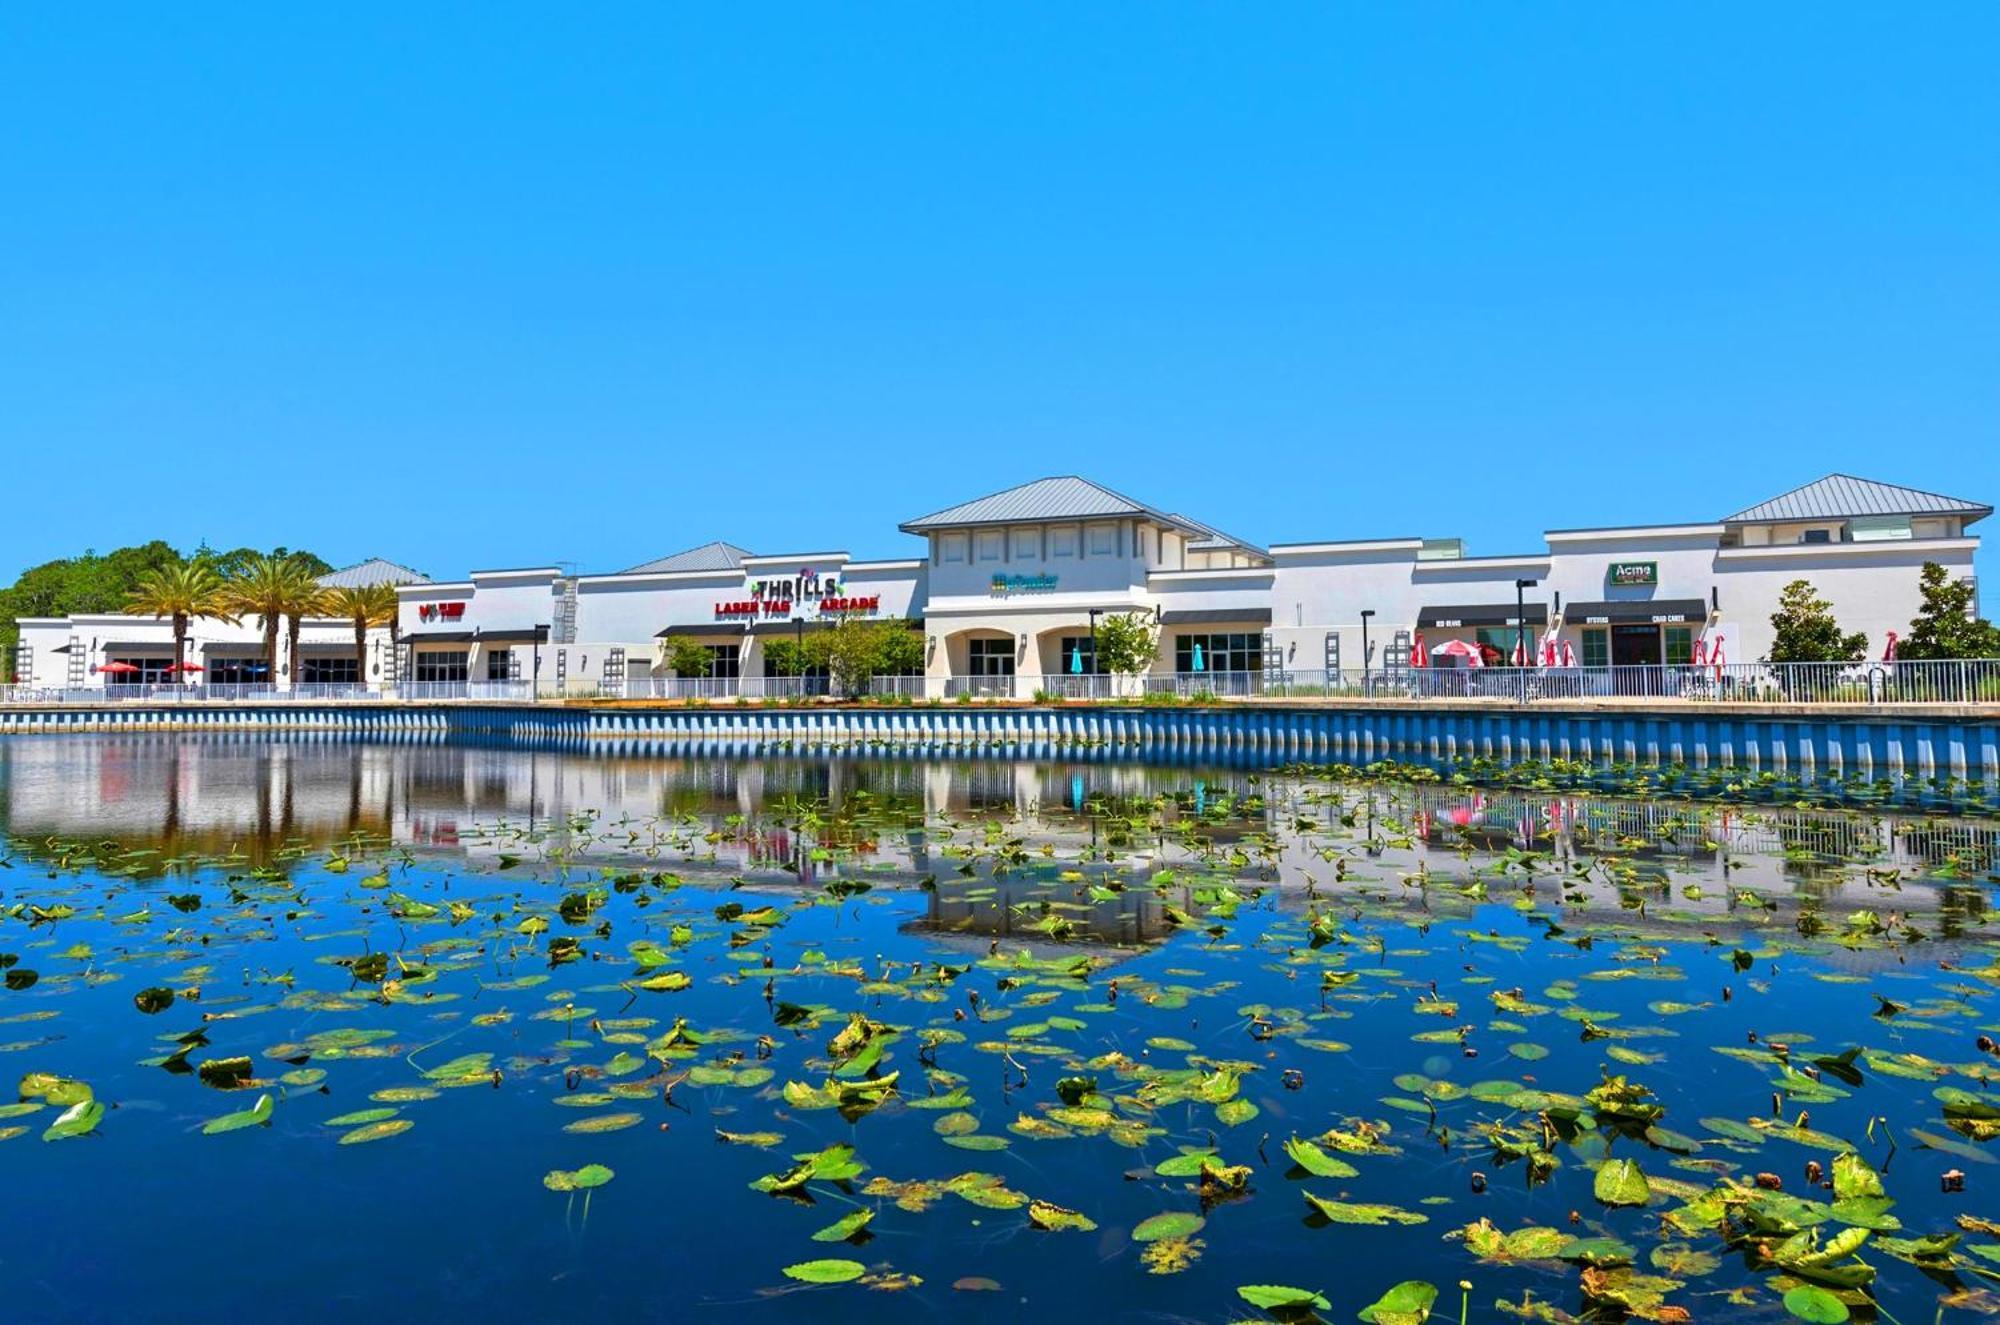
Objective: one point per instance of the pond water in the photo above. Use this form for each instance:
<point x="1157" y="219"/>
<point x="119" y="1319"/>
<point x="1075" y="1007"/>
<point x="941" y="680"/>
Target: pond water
<point x="318" y="1030"/>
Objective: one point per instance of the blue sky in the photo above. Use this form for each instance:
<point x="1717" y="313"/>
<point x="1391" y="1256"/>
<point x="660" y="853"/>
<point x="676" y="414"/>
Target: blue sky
<point x="501" y="285"/>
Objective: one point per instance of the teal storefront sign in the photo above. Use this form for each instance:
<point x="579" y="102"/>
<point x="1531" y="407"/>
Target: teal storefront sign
<point x="1006" y="584"/>
<point x="1632" y="573"/>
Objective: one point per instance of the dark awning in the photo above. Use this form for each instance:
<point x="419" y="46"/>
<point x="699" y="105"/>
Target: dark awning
<point x="60" y="648"/>
<point x="711" y="628"/>
<point x="1217" y="616"/>
<point x="441" y="637"/>
<point x="531" y="635"/>
<point x="1482" y="614"/>
<point x="1653" y="610"/>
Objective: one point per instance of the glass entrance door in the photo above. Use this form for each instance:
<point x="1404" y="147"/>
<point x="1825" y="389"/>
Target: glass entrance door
<point x="1636" y="646"/>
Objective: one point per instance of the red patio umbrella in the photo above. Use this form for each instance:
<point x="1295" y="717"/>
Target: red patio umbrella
<point x="1419" y="655"/>
<point x="1458" y="648"/>
<point x="1889" y="648"/>
<point x="186" y="667"/>
<point x="118" y="668"/>
<point x="1569" y="654"/>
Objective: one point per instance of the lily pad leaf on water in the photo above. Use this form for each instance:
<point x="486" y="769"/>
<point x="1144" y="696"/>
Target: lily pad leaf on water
<point x="256" y="1115"/>
<point x="1343" y="1212"/>
<point x="846" y="1227"/>
<point x="826" y="1271"/>
<point x="1279" y="1298"/>
<point x="377" y="1131"/>
<point x="78" y="1119"/>
<point x="1172" y="1224"/>
<point x="1620" y="1182"/>
<point x="1311" y="1158"/>
<point x="577" y="1180"/>
<point x="1054" y="1218"/>
<point x="1816" y="1305"/>
<point x="1408" y="1303"/>
<point x="156" y="999"/>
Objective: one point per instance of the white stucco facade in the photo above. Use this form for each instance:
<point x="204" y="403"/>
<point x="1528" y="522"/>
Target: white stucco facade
<point x="1006" y="590"/>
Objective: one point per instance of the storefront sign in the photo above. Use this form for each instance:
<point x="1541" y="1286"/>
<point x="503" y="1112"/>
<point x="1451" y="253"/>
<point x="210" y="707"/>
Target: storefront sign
<point x="440" y="611"/>
<point x="1633" y="573"/>
<point x="809" y="593"/>
<point x="1006" y="584"/>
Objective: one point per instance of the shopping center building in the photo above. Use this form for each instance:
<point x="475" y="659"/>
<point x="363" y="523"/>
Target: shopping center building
<point x="1007" y="592"/>
<point x="112" y="649"/>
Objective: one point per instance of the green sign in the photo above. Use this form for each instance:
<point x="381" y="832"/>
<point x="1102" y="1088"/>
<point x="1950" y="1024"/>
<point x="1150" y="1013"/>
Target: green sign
<point x="1633" y="572"/>
<point x="1023" y="583"/>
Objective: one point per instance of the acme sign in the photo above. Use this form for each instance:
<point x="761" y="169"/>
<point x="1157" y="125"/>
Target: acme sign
<point x="1633" y="572"/>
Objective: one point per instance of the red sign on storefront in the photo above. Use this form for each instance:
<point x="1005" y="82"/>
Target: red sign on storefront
<point x="440" y="611"/>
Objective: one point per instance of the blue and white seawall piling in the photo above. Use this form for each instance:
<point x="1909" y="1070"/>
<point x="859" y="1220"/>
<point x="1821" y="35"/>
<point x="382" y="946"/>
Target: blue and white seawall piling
<point x="1958" y="744"/>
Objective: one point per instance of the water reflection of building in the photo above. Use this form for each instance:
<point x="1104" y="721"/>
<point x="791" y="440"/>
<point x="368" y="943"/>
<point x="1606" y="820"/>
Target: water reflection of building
<point x="787" y="821"/>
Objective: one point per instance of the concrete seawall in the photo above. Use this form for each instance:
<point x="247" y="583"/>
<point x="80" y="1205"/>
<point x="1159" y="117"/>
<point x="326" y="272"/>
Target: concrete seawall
<point x="1959" y="744"/>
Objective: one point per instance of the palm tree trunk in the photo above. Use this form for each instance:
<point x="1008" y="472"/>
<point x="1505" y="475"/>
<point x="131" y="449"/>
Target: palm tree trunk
<point x="180" y="648"/>
<point x="292" y="649"/>
<point x="271" y="650"/>
<point x="361" y="649"/>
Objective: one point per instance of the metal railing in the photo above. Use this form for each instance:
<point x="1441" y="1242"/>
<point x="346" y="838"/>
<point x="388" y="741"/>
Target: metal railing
<point x="1971" y="681"/>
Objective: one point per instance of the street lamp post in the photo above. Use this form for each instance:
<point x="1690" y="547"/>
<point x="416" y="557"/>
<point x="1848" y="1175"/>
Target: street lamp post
<point x="1521" y="618"/>
<point x="1366" y="612"/>
<point x="799" y="651"/>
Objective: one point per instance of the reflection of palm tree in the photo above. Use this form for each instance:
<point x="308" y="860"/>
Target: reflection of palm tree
<point x="182" y="594"/>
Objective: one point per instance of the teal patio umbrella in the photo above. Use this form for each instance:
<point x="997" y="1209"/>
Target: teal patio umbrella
<point x="1076" y="660"/>
<point x="1199" y="665"/>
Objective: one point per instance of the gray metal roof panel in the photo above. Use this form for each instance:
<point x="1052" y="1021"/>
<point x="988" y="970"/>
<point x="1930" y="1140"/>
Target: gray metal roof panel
<point x="375" y="570"/>
<point x="1843" y="496"/>
<point x="1063" y="498"/>
<point x="709" y="556"/>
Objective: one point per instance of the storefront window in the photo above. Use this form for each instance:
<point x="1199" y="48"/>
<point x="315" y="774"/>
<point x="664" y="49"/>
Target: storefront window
<point x="1597" y="648"/>
<point x="441" y="665"/>
<point x="152" y="671"/>
<point x="1219" y="653"/>
<point x="1506" y="639"/>
<point x="238" y="671"/>
<point x="990" y="657"/>
<point x="1680" y="644"/>
<point x="724" y="661"/>
<point x="1079" y="656"/>
<point x="329" y="671"/>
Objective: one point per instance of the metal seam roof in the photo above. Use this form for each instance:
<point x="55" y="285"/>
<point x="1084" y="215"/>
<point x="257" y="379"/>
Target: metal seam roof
<point x="375" y="570"/>
<point x="709" y="556"/>
<point x="1066" y="497"/>
<point x="1843" y="496"/>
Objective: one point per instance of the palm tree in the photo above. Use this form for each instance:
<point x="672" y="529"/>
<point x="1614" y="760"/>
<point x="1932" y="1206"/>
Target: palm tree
<point x="274" y="590"/>
<point x="364" y="605"/>
<point x="181" y="593"/>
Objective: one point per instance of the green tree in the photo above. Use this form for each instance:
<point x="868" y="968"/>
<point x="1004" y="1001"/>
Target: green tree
<point x="1803" y="629"/>
<point x="1127" y="643"/>
<point x="686" y="657"/>
<point x="181" y="593"/>
<point x="1945" y="626"/>
<point x="902" y="652"/>
<point x="89" y="583"/>
<point x="363" y="607"/>
<point x="785" y="657"/>
<point x="851" y="652"/>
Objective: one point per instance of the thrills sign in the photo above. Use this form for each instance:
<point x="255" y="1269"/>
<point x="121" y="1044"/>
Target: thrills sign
<point x="808" y="592"/>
